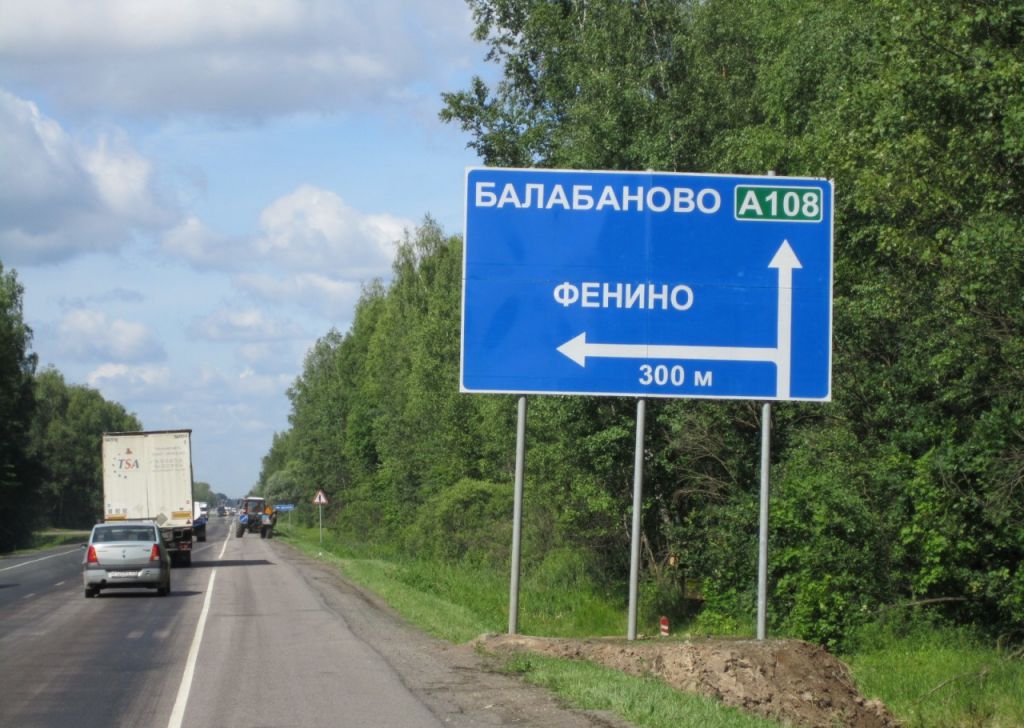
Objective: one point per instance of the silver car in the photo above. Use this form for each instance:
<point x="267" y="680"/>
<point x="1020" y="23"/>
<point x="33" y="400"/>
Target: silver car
<point x="129" y="555"/>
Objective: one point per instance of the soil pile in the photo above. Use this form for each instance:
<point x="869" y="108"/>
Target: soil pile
<point x="788" y="680"/>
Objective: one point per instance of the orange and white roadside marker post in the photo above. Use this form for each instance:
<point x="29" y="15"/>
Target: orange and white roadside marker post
<point x="321" y="500"/>
<point x="664" y="626"/>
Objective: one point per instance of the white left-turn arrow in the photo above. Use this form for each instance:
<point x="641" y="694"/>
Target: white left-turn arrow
<point x="578" y="349"/>
<point x="785" y="260"/>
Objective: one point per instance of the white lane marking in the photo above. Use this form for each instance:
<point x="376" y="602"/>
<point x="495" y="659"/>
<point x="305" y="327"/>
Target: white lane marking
<point x="178" y="713"/>
<point x="44" y="558"/>
<point x="59" y="583"/>
<point x="225" y="547"/>
<point x="181" y="702"/>
<point x="29" y="596"/>
<point x="135" y="634"/>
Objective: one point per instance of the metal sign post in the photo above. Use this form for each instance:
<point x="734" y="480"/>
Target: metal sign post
<point x="286" y="508"/>
<point x="517" y="518"/>
<point x="762" y="528"/>
<point x="762" y="551"/>
<point x="638" y="490"/>
<point x="321" y="500"/>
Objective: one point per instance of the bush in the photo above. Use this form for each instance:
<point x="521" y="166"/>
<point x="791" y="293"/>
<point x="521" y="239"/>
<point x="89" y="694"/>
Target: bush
<point x="471" y="521"/>
<point x="831" y="550"/>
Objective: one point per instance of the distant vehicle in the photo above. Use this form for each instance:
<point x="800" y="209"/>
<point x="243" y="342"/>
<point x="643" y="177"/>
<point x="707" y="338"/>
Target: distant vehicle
<point x="255" y="516"/>
<point x="147" y="476"/>
<point x="221" y="510"/>
<point x="201" y="515"/>
<point x="130" y="555"/>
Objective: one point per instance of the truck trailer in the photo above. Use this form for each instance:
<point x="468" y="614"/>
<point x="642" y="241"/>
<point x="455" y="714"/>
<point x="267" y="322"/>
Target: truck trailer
<point x="147" y="476"/>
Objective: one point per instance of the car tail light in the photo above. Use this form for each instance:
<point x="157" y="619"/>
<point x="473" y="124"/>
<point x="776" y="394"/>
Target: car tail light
<point x="154" y="553"/>
<point x="91" y="556"/>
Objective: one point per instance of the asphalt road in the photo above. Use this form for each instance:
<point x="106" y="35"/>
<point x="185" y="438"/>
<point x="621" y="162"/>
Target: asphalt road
<point x="114" y="660"/>
<point x="252" y="634"/>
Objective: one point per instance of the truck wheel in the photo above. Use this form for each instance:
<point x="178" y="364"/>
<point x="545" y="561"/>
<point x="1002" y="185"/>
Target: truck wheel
<point x="90" y="592"/>
<point x="186" y="558"/>
<point x="239" y="531"/>
<point x="201" y="537"/>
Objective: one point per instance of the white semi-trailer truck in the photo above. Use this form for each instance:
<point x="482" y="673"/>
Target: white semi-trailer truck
<point x="147" y="476"/>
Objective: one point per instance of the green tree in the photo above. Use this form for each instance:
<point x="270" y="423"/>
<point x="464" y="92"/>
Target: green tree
<point x="914" y="108"/>
<point x="19" y="477"/>
<point x="66" y="439"/>
<point x="203" y="493"/>
<point x="905" y="487"/>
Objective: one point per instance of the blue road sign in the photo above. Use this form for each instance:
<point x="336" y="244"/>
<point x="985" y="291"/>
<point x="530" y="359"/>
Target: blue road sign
<point x="647" y="284"/>
<point x="285" y="507"/>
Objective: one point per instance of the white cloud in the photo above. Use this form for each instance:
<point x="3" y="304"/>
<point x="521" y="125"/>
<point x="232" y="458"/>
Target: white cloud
<point x="313" y="229"/>
<point x="123" y="180"/>
<point x="324" y="296"/>
<point x="274" y="357"/>
<point x="325" y="245"/>
<point x="263" y="385"/>
<point x="117" y="295"/>
<point x="314" y="251"/>
<point x="247" y="324"/>
<point x="203" y="248"/>
<point x="67" y="198"/>
<point x="92" y="336"/>
<point x="124" y="383"/>
<point x="222" y="57"/>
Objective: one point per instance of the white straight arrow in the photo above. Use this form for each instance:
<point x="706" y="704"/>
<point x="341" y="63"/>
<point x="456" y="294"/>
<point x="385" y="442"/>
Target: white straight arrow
<point x="785" y="260"/>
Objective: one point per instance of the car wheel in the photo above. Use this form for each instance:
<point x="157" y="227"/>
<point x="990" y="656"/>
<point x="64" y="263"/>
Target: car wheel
<point x="163" y="591"/>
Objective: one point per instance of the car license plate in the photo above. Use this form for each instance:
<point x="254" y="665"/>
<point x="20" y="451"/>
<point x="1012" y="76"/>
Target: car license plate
<point x="123" y="574"/>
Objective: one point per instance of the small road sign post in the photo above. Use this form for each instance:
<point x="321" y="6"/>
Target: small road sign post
<point x="286" y="508"/>
<point x="646" y="284"/>
<point x="320" y="500"/>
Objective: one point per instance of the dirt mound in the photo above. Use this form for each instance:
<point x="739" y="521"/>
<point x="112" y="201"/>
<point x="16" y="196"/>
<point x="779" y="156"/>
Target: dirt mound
<point x="788" y="680"/>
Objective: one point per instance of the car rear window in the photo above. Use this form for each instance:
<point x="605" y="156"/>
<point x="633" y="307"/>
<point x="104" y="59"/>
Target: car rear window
<point x="123" y="533"/>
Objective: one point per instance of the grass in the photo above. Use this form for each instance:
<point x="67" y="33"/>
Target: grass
<point x="940" y="676"/>
<point x="929" y="677"/>
<point x="52" y="537"/>
<point x="422" y="593"/>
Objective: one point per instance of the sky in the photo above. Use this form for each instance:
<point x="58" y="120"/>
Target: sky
<point x="194" y="191"/>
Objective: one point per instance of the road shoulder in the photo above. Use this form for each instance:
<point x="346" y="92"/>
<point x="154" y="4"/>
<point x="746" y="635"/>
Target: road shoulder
<point x="457" y="683"/>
